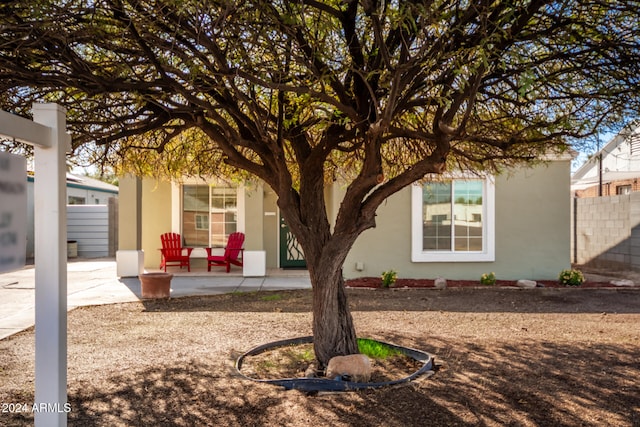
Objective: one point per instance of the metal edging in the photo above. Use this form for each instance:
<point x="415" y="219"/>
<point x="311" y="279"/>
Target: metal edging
<point x="326" y="384"/>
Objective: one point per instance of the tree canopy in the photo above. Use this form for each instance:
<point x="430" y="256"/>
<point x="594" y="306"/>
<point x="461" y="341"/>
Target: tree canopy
<point x="299" y="92"/>
<point x="480" y="83"/>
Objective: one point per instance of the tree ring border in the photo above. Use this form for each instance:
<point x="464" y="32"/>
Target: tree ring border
<point x="326" y="384"/>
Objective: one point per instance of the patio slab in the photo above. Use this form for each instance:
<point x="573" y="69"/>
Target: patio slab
<point x="95" y="282"/>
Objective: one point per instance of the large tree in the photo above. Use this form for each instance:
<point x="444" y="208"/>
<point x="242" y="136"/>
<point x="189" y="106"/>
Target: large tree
<point x="297" y="93"/>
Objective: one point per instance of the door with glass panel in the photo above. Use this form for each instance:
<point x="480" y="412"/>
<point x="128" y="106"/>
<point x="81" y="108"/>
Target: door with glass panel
<point x="291" y="255"/>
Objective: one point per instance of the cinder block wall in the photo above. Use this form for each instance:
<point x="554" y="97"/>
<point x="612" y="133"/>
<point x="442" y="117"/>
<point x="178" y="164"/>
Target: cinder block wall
<point x="606" y="231"/>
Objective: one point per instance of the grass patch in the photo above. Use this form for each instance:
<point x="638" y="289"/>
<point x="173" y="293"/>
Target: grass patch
<point x="280" y="362"/>
<point x="272" y="297"/>
<point x="307" y="355"/>
<point x="376" y="350"/>
<point x="265" y="366"/>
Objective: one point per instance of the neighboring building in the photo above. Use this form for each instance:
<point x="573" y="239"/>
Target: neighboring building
<point x="81" y="190"/>
<point x="614" y="170"/>
<point x="606" y="206"/>
<point x="516" y="225"/>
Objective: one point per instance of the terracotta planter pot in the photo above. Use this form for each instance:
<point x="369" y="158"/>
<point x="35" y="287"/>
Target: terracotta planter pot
<point x="155" y="285"/>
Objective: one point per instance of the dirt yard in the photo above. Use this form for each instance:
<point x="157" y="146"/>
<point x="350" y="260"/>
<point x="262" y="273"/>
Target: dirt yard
<point x="504" y="356"/>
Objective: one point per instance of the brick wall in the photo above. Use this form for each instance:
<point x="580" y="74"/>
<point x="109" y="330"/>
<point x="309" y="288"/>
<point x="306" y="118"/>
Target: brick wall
<point x="609" y="188"/>
<point x="606" y="231"/>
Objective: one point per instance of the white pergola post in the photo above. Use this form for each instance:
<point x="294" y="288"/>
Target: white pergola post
<point x="48" y="134"/>
<point x="50" y="219"/>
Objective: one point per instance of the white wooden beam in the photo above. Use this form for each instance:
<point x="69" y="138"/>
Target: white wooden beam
<point x="24" y="130"/>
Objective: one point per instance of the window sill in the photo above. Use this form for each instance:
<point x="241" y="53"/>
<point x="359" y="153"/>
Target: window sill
<point x="452" y="257"/>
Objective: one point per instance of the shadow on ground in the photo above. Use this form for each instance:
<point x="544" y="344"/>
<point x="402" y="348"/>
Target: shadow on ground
<point x="536" y="384"/>
<point x="504" y="357"/>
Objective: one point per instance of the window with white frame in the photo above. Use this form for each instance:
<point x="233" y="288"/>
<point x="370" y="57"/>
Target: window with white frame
<point x="623" y="189"/>
<point x="209" y="215"/>
<point x="202" y="221"/>
<point x="453" y="220"/>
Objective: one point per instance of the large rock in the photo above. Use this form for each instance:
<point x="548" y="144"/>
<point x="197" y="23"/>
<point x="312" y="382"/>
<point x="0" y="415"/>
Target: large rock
<point x="623" y="282"/>
<point x="440" y="283"/>
<point x="356" y="366"/>
<point x="527" y="284"/>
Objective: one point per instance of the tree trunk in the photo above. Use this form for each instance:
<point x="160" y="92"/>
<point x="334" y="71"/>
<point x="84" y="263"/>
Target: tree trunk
<point x="333" y="330"/>
<point x="325" y="252"/>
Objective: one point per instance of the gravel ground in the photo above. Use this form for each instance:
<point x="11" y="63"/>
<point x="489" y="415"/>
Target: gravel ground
<point x="539" y="357"/>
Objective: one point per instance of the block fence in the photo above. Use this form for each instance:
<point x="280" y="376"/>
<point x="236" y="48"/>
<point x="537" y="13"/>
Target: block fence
<point x="606" y="231"/>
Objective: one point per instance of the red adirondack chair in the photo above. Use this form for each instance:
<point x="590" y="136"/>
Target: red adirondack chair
<point x="232" y="253"/>
<point x="173" y="253"/>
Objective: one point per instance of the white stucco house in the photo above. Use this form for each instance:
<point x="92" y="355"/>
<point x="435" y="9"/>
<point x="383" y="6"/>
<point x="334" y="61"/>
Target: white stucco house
<point x="516" y="224"/>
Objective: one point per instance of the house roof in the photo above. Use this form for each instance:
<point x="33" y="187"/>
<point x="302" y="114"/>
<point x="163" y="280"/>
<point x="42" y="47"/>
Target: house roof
<point x="86" y="183"/>
<point x="620" y="160"/>
<point x="90" y="183"/>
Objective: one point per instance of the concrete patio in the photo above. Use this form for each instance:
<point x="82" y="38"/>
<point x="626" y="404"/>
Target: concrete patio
<point x="95" y="282"/>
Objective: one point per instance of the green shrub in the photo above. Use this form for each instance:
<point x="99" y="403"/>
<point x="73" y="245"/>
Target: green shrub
<point x="389" y="278"/>
<point x="571" y="277"/>
<point x="488" y="279"/>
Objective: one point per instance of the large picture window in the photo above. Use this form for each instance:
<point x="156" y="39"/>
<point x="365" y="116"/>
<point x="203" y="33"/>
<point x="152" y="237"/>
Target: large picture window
<point x="209" y="215"/>
<point x="453" y="220"/>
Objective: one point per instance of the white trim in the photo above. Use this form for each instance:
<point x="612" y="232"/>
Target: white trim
<point x="241" y="194"/>
<point x="489" y="214"/>
<point x="176" y="207"/>
<point x="278" y="223"/>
